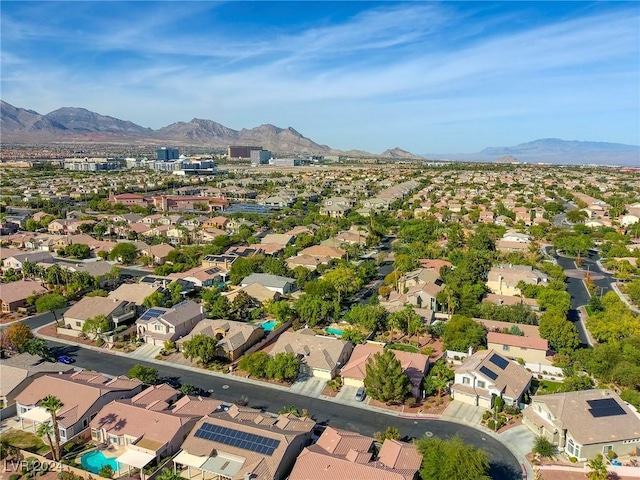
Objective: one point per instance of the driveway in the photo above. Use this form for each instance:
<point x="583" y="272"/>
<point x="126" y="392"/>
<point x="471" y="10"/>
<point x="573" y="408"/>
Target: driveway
<point x="464" y="412"/>
<point x="308" y="386"/>
<point x="146" y="351"/>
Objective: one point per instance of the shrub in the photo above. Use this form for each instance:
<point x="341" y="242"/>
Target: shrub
<point x="543" y="447"/>
<point x="14" y="476"/>
<point x="428" y="351"/>
<point x="486" y="415"/>
<point x="573" y="459"/>
<point x="99" y="342"/>
<point x="106" y="471"/>
<point x="611" y="455"/>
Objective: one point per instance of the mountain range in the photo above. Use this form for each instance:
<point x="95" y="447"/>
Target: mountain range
<point x="69" y="124"/>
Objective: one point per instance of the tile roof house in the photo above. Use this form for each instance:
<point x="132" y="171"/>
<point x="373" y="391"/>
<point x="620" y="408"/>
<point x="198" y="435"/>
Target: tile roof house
<point x="279" y="238"/>
<point x="82" y="393"/>
<point x="585" y="423"/>
<point x="529" y="349"/>
<point x="158" y="324"/>
<point x="323" y="251"/>
<point x="415" y="365"/>
<point x="275" y="283"/>
<point x="16" y="261"/>
<point x="117" y="312"/>
<point x="310" y="262"/>
<point x="243" y="443"/>
<point x="18" y="371"/>
<point x="320" y="356"/>
<point x="503" y="279"/>
<point x="158" y="253"/>
<point x="202" y="276"/>
<point x="344" y="455"/>
<point x="134" y="292"/>
<point x="234" y="338"/>
<point x="147" y="426"/>
<point x="486" y="375"/>
<point x="256" y="291"/>
<point x="14" y="295"/>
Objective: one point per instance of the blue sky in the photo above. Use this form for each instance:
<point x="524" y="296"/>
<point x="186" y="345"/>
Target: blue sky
<point x="424" y="76"/>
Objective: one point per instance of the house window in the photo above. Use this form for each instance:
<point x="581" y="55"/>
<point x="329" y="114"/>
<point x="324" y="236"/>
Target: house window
<point x="85" y="423"/>
<point x="95" y="434"/>
<point x="466" y="381"/>
<point x="505" y="348"/>
<point x="158" y="328"/>
<point x="113" y="440"/>
<point x="481" y="384"/>
<point x="78" y="324"/>
<point x="606" y="449"/>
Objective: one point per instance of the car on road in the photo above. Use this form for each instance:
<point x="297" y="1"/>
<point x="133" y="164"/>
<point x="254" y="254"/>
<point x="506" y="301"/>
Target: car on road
<point x="67" y="360"/>
<point x="361" y="394"/>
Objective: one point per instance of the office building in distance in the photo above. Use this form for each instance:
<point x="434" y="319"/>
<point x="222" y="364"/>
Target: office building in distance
<point x="91" y="164"/>
<point x="240" y="151"/>
<point x="259" y="157"/>
<point x="166" y="153"/>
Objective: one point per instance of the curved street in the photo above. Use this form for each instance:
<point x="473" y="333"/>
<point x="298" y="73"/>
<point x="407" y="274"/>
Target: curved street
<point x="504" y="465"/>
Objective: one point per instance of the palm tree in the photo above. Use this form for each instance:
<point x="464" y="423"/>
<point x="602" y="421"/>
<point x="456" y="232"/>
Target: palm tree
<point x="52" y="404"/>
<point x="46" y="430"/>
<point x="598" y="468"/>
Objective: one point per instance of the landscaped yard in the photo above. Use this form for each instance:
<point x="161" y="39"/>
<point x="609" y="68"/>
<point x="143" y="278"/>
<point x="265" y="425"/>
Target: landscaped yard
<point x="26" y="441"/>
<point x="546" y="386"/>
<point x="403" y="347"/>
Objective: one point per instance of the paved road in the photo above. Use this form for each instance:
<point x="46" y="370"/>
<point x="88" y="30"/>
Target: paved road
<point x="504" y="466"/>
<point x="40" y="319"/>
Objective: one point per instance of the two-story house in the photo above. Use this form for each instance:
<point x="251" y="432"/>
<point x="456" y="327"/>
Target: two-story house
<point x="157" y="325"/>
<point x="486" y="375"/>
<point x="233" y="338"/>
<point x="118" y="312"/>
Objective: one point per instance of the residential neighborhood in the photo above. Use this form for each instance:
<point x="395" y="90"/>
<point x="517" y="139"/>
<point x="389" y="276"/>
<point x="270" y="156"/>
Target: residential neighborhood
<point x="484" y="297"/>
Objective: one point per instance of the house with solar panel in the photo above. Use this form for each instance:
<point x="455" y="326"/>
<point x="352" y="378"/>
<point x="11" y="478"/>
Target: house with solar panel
<point x="240" y="442"/>
<point x="486" y="375"/>
<point x="158" y="324"/>
<point x="585" y="423"/>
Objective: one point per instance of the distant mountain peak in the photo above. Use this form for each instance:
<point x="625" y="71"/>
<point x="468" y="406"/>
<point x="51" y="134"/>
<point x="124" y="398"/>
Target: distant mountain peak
<point x="398" y="152"/>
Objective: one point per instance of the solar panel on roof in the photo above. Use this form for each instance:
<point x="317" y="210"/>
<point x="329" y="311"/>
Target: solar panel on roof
<point x="489" y="373"/>
<point x="605" y="407"/>
<point x="236" y="438"/>
<point x="151" y="313"/>
<point x="499" y="361"/>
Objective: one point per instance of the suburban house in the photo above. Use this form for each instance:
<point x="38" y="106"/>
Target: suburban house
<point x="234" y="338"/>
<point x="18" y="371"/>
<point x="127" y="199"/>
<point x="585" y="423"/>
<point x="513" y="242"/>
<point x="275" y="283"/>
<point x="158" y="253"/>
<point x="310" y="262"/>
<point x="219" y="261"/>
<point x="415" y="365"/>
<point x="256" y="291"/>
<point x="216" y="222"/>
<point x="279" y="238"/>
<point x="82" y="393"/>
<point x="143" y="428"/>
<point x="503" y="280"/>
<point x="243" y="443"/>
<point x="486" y="375"/>
<point x="323" y="251"/>
<point x="116" y="311"/>
<point x="320" y="356"/>
<point x="510" y="300"/>
<point x="348" y="455"/>
<point x="529" y="349"/>
<point x="16" y="261"/>
<point x="157" y="325"/>
<point x="202" y="276"/>
<point x="14" y="295"/>
<point x="134" y="293"/>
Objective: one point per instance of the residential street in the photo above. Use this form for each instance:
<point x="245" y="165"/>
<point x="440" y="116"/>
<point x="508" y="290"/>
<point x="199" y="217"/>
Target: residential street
<point x="504" y="465"/>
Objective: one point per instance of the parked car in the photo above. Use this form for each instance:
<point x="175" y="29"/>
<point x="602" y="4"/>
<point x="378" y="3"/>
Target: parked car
<point x="360" y="394"/>
<point x="67" y="360"/>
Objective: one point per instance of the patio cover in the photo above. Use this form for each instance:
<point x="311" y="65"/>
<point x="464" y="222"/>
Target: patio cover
<point x="36" y="414"/>
<point x="135" y="458"/>
<point x="184" y="458"/>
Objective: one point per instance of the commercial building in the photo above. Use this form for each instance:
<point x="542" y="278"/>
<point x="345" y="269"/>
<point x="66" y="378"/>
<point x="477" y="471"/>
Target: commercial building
<point x="166" y="153"/>
<point x="240" y="151"/>
<point x="87" y="164"/>
<point x="259" y="157"/>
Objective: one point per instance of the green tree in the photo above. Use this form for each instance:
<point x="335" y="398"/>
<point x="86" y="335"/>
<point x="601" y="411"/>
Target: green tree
<point x="78" y="250"/>
<point x="106" y="471"/>
<point x="370" y="317"/>
<point x="37" y="346"/>
<point x="543" y="447"/>
<point x="50" y="303"/>
<point x="147" y="375"/>
<point x="560" y="332"/>
<point x="392" y="433"/>
<point x="284" y="366"/>
<point x="45" y="429"/>
<point x="597" y="468"/>
<point x="155" y="299"/>
<point x="281" y="310"/>
<point x="53" y="404"/>
<point x="451" y="459"/>
<point x="202" y="347"/>
<point x="344" y="280"/>
<point x="275" y="266"/>
<point x="313" y="310"/>
<point x="241" y="306"/>
<point x="124" y="252"/>
<point x="255" y="364"/>
<point x="175" y="292"/>
<point x="96" y="325"/>
<point x="243" y="267"/>
<point x="462" y="332"/>
<point x="440" y="376"/>
<point x="169" y="474"/>
<point x="385" y="380"/>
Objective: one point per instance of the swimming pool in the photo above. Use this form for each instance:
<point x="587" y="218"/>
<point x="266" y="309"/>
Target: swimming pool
<point x="268" y="326"/>
<point x="95" y="460"/>
<point x="334" y="331"/>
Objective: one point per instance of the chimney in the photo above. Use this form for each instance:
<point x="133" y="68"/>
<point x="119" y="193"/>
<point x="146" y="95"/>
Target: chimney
<point x="470" y="351"/>
<point x="248" y="475"/>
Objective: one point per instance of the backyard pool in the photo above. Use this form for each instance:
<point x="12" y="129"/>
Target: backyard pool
<point x="95" y="460"/>
<point x="268" y="326"/>
<point x="334" y="331"/>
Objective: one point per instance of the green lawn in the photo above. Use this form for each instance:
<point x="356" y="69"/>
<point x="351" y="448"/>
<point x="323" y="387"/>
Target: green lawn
<point x="403" y="347"/>
<point x="547" y="387"/>
<point x="26" y="441"/>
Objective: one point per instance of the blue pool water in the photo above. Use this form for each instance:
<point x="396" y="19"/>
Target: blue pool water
<point x="334" y="331"/>
<point x="268" y="326"/>
<point x="95" y="460"/>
